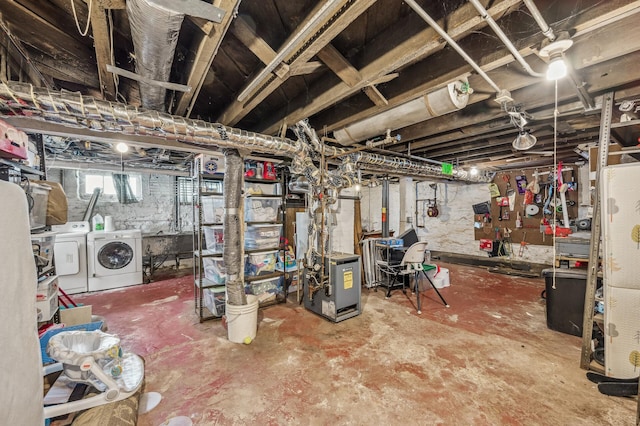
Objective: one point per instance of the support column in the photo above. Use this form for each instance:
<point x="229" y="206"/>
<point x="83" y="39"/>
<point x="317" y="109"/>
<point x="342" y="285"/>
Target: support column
<point x="406" y="203"/>
<point x="385" y="207"/>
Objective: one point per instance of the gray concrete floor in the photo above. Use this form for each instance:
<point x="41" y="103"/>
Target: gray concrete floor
<point x="489" y="359"/>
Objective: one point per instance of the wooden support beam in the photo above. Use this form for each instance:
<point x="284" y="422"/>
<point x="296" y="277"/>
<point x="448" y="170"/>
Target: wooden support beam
<point x="237" y="110"/>
<point x="205" y="53"/>
<point x="339" y="65"/>
<point x="386" y="56"/>
<point x="102" y="43"/>
<point x="50" y="38"/>
<point x="306" y="68"/>
<point x="146" y="80"/>
<point x="196" y="8"/>
<point x="248" y="36"/>
<point x="593" y="48"/>
<point x="374" y="94"/>
<point x="111" y="4"/>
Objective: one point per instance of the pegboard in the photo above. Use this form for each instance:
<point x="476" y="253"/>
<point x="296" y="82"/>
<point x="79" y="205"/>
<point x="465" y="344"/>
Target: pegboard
<point x="530" y="224"/>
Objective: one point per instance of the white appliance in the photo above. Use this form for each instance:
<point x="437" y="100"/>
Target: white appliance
<point x="114" y="259"/>
<point x="620" y="221"/>
<point x="70" y="256"/>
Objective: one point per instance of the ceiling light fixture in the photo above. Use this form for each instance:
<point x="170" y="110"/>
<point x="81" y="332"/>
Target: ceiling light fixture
<point x="474" y="171"/>
<point x="554" y="52"/>
<point x="524" y="140"/>
<point x="122" y="147"/>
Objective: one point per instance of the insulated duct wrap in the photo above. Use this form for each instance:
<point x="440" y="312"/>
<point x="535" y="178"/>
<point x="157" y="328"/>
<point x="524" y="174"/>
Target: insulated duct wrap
<point x="232" y="251"/>
<point x="154" y="31"/>
<point x="454" y="96"/>
<point x="74" y="110"/>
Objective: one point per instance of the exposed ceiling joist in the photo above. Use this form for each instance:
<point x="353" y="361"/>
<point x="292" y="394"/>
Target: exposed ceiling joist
<point x="388" y="55"/>
<point x="238" y="109"/>
<point x="102" y="44"/>
<point x="205" y="53"/>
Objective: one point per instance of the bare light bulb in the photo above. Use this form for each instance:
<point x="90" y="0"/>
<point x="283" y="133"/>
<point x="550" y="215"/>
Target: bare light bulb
<point x="122" y="147"/>
<point x="357" y="187"/>
<point x="474" y="171"/>
<point x="557" y="68"/>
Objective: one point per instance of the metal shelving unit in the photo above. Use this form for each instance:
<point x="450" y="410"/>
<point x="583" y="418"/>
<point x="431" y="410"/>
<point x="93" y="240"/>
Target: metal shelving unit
<point x="209" y="295"/>
<point x="277" y="192"/>
<point x="205" y="290"/>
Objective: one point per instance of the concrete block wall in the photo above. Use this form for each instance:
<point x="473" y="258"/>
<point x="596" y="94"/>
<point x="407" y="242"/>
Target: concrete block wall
<point x="153" y="214"/>
<point x="452" y="231"/>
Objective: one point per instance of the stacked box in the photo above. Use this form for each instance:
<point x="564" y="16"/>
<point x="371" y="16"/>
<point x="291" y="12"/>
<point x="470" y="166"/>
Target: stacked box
<point x="260" y="263"/>
<point x="261" y="209"/>
<point x="259" y="237"/>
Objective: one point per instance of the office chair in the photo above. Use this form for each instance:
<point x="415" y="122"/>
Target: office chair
<point x="411" y="265"/>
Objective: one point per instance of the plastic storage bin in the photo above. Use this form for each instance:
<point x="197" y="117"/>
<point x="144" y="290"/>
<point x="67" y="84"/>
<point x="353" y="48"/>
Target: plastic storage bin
<point x="260" y="263"/>
<point x="261" y="209"/>
<point x="212" y="208"/>
<point x="214" y="238"/>
<point x="259" y="237"/>
<point x="38" y="214"/>
<point x="214" y="300"/>
<point x="214" y="269"/>
<point x="47" y="288"/>
<point x="565" y="303"/>
<point x="265" y="289"/>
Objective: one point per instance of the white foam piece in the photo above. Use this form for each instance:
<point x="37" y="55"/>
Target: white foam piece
<point x="148" y="401"/>
<point x="178" y="421"/>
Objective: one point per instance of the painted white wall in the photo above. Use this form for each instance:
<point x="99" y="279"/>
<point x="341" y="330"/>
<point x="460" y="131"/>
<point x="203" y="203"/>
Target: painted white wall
<point x="341" y="236"/>
<point x="452" y="231"/>
<point x="371" y="208"/>
<point x="154" y="213"/>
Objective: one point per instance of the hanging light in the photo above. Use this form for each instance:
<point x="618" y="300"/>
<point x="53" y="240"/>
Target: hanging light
<point x="474" y="171"/>
<point x="553" y="51"/>
<point x="557" y="68"/>
<point x="122" y="147"/>
<point x="524" y="140"/>
<point x="358" y="186"/>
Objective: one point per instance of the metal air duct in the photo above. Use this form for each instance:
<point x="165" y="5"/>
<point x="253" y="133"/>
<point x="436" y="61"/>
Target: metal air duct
<point x="453" y="97"/>
<point x="154" y="30"/>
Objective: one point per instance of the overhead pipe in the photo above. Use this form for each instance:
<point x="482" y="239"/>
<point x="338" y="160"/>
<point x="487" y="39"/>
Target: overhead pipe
<point x="584" y="96"/>
<point x="547" y="31"/>
<point x="429" y="20"/>
<point x="154" y="31"/>
<point x="232" y="250"/>
<point x="73" y="109"/>
<point x="453" y="97"/>
<point x="502" y="36"/>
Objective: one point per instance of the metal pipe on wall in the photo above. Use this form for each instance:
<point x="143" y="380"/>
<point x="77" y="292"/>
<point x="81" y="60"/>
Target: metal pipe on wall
<point x="385" y="207"/>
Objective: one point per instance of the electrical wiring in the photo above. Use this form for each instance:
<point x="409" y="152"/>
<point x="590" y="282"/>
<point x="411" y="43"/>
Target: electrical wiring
<point x="75" y="17"/>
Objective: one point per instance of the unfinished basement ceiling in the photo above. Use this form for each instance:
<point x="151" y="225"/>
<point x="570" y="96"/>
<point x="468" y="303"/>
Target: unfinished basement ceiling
<point x="268" y="64"/>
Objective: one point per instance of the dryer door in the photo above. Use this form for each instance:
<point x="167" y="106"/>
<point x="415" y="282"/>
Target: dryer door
<point x="115" y="255"/>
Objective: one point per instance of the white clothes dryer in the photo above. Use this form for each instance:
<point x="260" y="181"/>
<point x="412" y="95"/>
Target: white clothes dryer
<point x="114" y="259"/>
<point x="70" y="256"/>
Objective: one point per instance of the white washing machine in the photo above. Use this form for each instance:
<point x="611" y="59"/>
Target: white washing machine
<point x="114" y="259"/>
<point x="70" y="256"/>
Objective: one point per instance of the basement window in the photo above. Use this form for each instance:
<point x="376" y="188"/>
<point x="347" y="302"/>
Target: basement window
<point x="130" y="186"/>
<point x="184" y="190"/>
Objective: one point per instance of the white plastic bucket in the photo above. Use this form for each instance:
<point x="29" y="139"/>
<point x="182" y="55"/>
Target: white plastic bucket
<point x="242" y="321"/>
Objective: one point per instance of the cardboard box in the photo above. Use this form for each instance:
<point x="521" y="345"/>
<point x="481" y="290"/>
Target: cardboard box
<point x="75" y="316"/>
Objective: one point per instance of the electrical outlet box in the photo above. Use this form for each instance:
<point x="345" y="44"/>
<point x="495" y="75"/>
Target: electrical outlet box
<point x="503" y="96"/>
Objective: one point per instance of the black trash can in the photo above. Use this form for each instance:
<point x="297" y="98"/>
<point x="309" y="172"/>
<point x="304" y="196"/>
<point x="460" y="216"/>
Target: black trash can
<point x="565" y="303"/>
